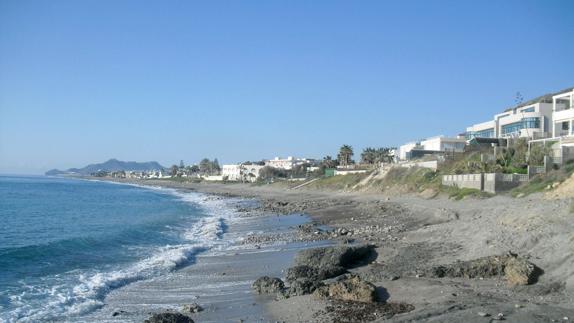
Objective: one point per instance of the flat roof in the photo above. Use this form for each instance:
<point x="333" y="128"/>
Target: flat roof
<point x="546" y="98"/>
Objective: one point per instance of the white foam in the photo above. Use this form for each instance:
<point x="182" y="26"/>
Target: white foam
<point x="91" y="288"/>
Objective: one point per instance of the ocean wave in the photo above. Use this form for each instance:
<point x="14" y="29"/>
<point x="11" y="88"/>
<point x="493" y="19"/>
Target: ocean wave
<point x="77" y="294"/>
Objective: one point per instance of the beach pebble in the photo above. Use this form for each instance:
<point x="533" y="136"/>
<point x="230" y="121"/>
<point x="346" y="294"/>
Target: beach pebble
<point x="192" y="308"/>
<point x="483" y="314"/>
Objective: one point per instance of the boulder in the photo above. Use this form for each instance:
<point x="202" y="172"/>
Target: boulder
<point x="268" y="285"/>
<point x="351" y="288"/>
<point x="169" y="317"/>
<point x="313" y="273"/>
<point x="301" y="271"/>
<point x="303" y="286"/>
<point x="518" y="271"/>
<point x="337" y="256"/>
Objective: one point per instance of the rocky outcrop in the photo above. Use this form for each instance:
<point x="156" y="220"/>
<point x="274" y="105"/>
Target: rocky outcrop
<point x="313" y="273"/>
<point x="302" y="286"/>
<point x="350" y="288"/>
<point x="168" y="317"/>
<point x="338" y="256"/>
<point x="268" y="285"/>
<point x="515" y="269"/>
<point x="518" y="271"/>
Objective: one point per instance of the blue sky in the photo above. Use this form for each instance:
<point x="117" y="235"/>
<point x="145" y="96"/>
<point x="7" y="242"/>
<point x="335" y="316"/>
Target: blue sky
<point x="85" y="81"/>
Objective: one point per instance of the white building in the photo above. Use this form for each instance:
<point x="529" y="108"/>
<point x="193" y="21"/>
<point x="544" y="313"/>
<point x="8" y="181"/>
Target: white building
<point x="482" y="130"/>
<point x="241" y="172"/>
<point x="532" y="120"/>
<point x="285" y="163"/>
<point x="525" y="121"/>
<point x="431" y="145"/>
<point x="563" y="113"/>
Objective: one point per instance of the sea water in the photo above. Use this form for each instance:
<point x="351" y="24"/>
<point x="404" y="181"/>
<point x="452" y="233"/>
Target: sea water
<point x="65" y="244"/>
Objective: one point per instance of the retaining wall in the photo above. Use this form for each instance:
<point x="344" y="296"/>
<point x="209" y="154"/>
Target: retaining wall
<point x="489" y="182"/>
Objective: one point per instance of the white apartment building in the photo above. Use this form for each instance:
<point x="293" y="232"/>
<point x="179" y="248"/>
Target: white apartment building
<point x="482" y="130"/>
<point x="431" y="145"/>
<point x="533" y="120"/>
<point x="285" y="163"/>
<point x="527" y="121"/>
<point x="241" y="172"/>
<point x="563" y="113"/>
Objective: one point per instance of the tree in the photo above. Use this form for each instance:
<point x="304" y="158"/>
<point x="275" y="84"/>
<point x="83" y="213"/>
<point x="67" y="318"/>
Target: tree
<point x="329" y="162"/>
<point x="376" y="155"/>
<point x="215" y="166"/>
<point x="205" y="166"/>
<point x="173" y="170"/>
<point x="345" y="155"/>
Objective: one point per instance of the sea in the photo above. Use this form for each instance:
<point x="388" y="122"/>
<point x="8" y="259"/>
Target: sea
<point x="69" y="247"/>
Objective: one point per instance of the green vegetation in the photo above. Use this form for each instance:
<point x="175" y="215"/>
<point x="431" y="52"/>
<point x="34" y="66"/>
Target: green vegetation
<point x="340" y="182"/>
<point x="345" y="156"/>
<point x="414" y="179"/>
<point x="376" y="155"/>
<point x="542" y="182"/>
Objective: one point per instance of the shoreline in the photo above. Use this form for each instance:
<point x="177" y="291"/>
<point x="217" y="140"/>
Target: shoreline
<point x="413" y="235"/>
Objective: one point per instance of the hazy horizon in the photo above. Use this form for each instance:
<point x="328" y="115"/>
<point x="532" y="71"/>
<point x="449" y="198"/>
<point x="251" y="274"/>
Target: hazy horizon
<point x="83" y="82"/>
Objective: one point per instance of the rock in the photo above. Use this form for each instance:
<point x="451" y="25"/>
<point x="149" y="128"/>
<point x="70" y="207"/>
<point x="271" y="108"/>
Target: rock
<point x="192" y="308"/>
<point x="343" y="256"/>
<point x="303" y="287"/>
<point x="483" y="314"/>
<point x="352" y="288"/>
<point x="268" y="285"/>
<point x="518" y="271"/>
<point x="301" y="271"/>
<point x="313" y="273"/>
<point x="168" y="317"/>
<point x="118" y="312"/>
<point x="499" y="317"/>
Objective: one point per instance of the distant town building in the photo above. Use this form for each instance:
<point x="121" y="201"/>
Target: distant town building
<point x="241" y="172"/>
<point x="287" y="163"/>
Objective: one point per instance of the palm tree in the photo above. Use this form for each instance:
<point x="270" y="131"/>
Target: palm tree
<point x="345" y="155"/>
<point x="369" y="155"/>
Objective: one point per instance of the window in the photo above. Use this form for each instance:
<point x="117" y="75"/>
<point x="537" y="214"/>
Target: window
<point x="531" y="109"/>
<point x="525" y="123"/>
<point x="486" y="133"/>
<point x="565" y="125"/>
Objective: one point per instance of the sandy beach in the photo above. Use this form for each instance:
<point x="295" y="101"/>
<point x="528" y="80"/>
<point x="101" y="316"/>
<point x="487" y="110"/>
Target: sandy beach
<point x="413" y="236"/>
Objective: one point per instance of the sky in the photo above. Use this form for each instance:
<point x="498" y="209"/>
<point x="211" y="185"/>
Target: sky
<point x="85" y="81"/>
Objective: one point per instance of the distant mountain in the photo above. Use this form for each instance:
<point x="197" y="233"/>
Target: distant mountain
<point x="112" y="165"/>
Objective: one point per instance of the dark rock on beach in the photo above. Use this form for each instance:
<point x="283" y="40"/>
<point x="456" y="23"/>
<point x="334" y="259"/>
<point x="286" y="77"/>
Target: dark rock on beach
<point x="516" y="270"/>
<point x="313" y="273"/>
<point x="303" y="286"/>
<point x="169" y="317"/>
<point x="350" y="288"/>
<point x="268" y="285"/>
<point x="338" y="256"/>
